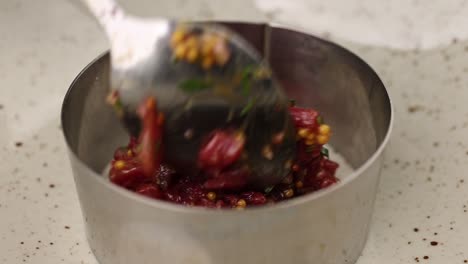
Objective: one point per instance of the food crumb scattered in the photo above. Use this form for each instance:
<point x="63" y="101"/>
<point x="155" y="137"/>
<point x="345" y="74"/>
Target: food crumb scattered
<point x="415" y="108"/>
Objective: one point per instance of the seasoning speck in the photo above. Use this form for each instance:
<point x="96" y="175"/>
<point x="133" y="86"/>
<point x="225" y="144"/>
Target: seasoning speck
<point x="416" y="230"/>
<point x="67" y="227"/>
<point x="415" y="108"/>
<point x="51" y="185"/>
<point x="188" y="134"/>
<point x="426" y="257"/>
<point x="19" y="144"/>
<point x="434" y="243"/>
<point x="267" y="152"/>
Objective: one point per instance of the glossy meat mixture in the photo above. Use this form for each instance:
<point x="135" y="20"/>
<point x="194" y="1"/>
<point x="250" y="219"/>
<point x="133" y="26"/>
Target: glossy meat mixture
<point x="140" y="166"/>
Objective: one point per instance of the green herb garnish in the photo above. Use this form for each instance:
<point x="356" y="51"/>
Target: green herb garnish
<point x="118" y="108"/>
<point x="247" y="107"/>
<point x="246" y="79"/>
<point x="320" y="120"/>
<point x="324" y="151"/>
<point x="118" y="104"/>
<point x="269" y="189"/>
<point x="194" y="85"/>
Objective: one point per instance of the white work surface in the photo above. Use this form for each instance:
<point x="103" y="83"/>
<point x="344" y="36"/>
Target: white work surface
<point x="44" y="44"/>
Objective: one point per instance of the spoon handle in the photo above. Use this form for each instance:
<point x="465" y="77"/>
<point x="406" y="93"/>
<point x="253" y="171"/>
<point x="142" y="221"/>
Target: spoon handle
<point x="107" y="12"/>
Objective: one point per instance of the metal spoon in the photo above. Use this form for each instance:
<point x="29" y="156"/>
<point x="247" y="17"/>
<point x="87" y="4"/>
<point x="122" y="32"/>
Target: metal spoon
<point x="233" y="90"/>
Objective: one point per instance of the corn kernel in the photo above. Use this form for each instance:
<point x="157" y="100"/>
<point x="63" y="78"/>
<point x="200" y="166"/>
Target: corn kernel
<point x="207" y="49"/>
<point x="241" y="203"/>
<point x="303" y="132"/>
<point x="262" y="73"/>
<point x="288" y="193"/>
<point x="278" y="138"/>
<point x="324" y="129"/>
<point x="209" y="41"/>
<point x="222" y="54"/>
<point x="311" y="136"/>
<point x="240" y="136"/>
<point x="192" y="43"/>
<point x="180" y="51"/>
<point x="207" y="62"/>
<point x="119" y="165"/>
<point x="177" y="37"/>
<point x="129" y="153"/>
<point x="192" y="55"/>
<point x="299" y="184"/>
<point x="267" y="152"/>
<point x="322" y="139"/>
<point x="211" y="196"/>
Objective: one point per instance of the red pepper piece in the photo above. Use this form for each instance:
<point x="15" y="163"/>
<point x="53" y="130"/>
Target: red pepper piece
<point x="133" y="143"/>
<point x="121" y="154"/>
<point x="328" y="182"/>
<point x="304" y="117"/>
<point x="128" y="176"/>
<point x="221" y="150"/>
<point x="306" y="154"/>
<point x="150" y="154"/>
<point x="220" y="204"/>
<point x="329" y="166"/>
<point x="228" y="180"/>
<point x="149" y="190"/>
<point x="206" y="203"/>
<point x="254" y="198"/>
<point x="231" y="199"/>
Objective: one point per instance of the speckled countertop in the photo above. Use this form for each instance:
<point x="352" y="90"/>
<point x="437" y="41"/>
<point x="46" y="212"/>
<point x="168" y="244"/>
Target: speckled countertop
<point x="421" y="210"/>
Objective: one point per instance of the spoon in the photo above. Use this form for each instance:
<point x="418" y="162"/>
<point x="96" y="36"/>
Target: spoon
<point x="204" y="77"/>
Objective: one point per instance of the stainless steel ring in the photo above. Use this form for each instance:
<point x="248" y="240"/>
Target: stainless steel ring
<point x="326" y="227"/>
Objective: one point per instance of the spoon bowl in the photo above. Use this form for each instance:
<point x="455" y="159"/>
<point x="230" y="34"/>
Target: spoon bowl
<point x="204" y="77"/>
